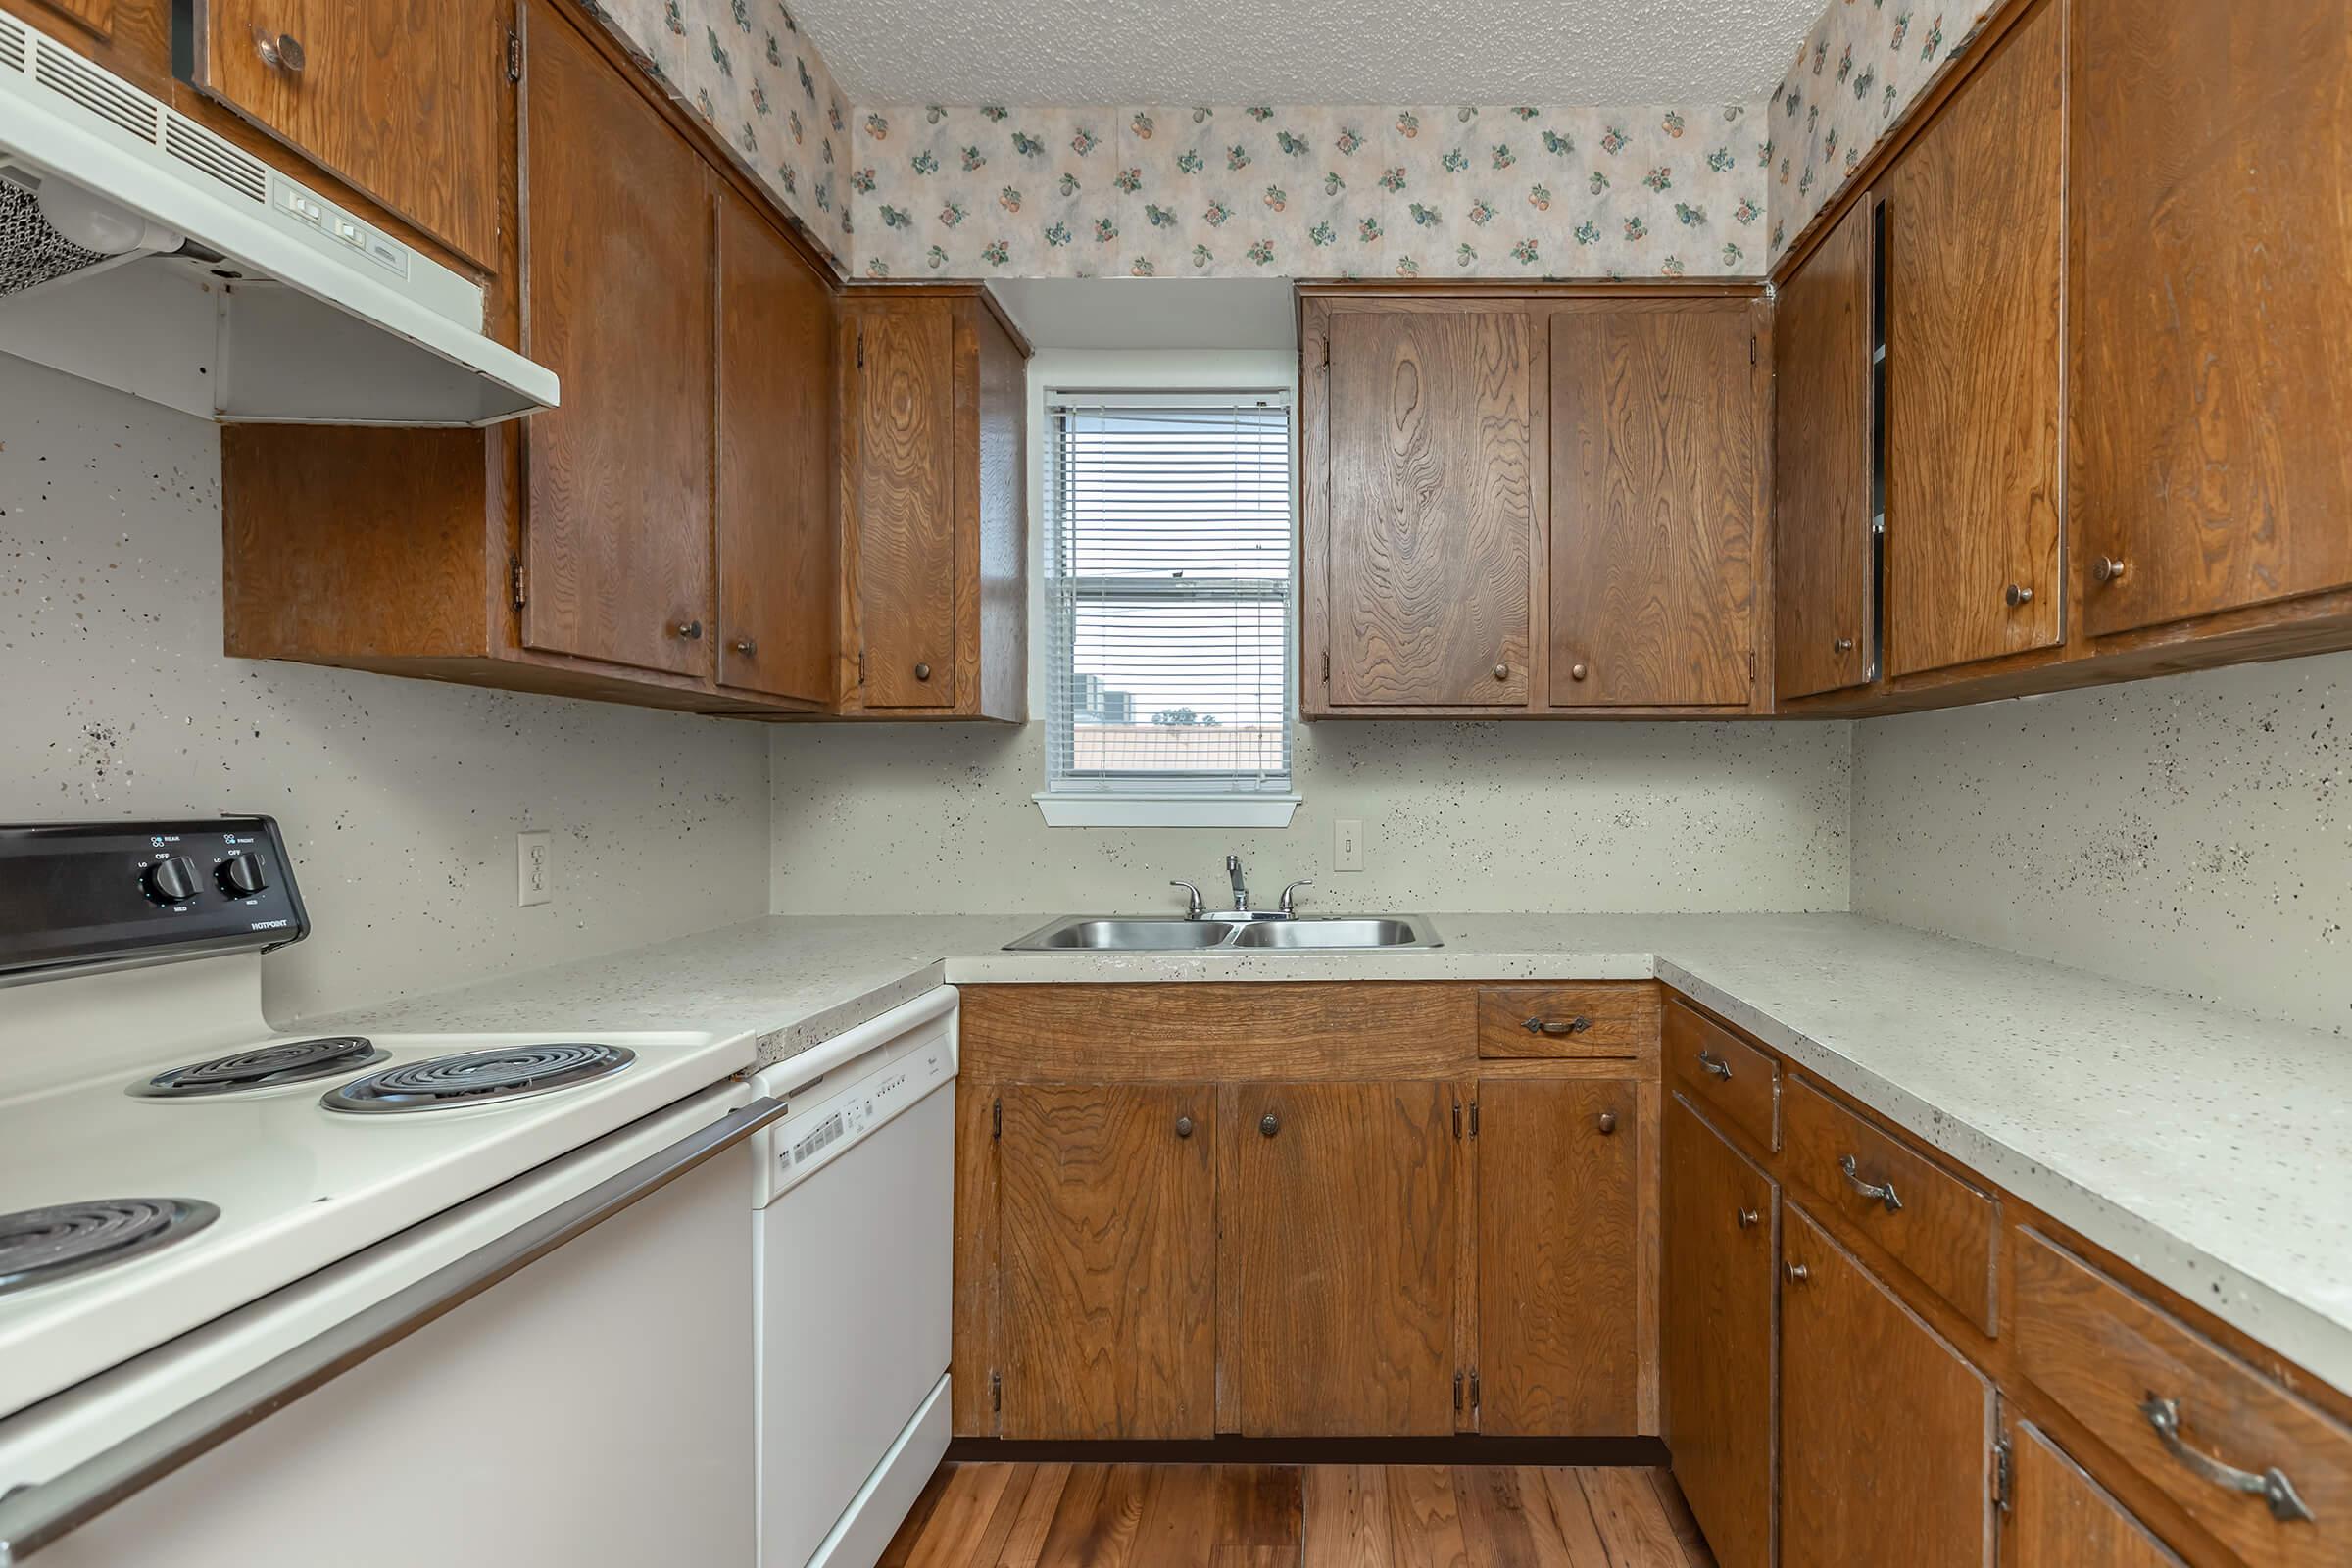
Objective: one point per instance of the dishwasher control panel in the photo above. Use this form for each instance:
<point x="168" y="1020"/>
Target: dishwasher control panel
<point x="823" y="1124"/>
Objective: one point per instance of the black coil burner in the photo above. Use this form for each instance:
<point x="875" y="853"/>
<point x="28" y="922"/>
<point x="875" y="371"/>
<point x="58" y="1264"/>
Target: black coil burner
<point x="479" y="1077"/>
<point x="41" y="1245"/>
<point x="264" y="1068"/>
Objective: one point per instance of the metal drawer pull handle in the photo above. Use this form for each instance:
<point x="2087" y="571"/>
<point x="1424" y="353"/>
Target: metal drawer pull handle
<point x="1747" y="1218"/>
<point x="1797" y="1273"/>
<point x="2272" y="1486"/>
<point x="1883" y="1193"/>
<point x="1184" y="1126"/>
<point x="1609" y="1122"/>
<point x="1714" y="1066"/>
<point x="1557" y="1026"/>
<point x="1269" y="1124"/>
<point x="691" y="630"/>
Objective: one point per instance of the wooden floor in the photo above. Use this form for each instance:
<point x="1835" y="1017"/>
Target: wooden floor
<point x="1313" y="1516"/>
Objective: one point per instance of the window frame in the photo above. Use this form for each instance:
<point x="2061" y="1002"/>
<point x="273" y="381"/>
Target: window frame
<point x="1205" y="379"/>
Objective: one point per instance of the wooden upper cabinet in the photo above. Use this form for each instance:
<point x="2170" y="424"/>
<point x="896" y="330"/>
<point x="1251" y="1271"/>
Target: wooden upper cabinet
<point x="2061" y="1518"/>
<point x="1822" y="585"/>
<point x="775" y="540"/>
<point x="1561" y="1218"/>
<point x="1716" y="1381"/>
<point x="1107" y="1225"/>
<point x="1338" y="1258"/>
<point x="1657" y="464"/>
<point x="933" y="412"/>
<point x="400" y="98"/>
<point x="617" y="537"/>
<point x="1973" y="224"/>
<point x="2211" y="283"/>
<point x="1427" y="525"/>
<point x="1886" y="1433"/>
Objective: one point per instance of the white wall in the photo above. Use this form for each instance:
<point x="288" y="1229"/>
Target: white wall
<point x="2192" y="833"/>
<point x="400" y="798"/>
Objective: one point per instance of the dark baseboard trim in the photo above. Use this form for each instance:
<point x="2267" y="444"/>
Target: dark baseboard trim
<point x="1467" y="1450"/>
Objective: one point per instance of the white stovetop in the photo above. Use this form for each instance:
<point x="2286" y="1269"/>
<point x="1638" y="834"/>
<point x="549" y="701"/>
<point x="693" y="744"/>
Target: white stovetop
<point x="2206" y="1148"/>
<point x="298" y="1186"/>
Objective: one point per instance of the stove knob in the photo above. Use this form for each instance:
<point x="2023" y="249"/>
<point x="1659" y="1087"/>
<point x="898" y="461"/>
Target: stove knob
<point x="171" y="881"/>
<point x="241" y="876"/>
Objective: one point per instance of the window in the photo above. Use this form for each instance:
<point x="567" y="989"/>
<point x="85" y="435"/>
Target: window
<point x="1167" y="581"/>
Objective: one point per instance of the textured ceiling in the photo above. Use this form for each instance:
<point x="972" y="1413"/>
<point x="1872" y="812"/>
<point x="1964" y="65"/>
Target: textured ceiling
<point x="1308" y="51"/>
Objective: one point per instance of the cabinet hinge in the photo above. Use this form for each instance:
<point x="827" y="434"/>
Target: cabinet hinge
<point x="996" y="1391"/>
<point x="1751" y="348"/>
<point x="1327" y="351"/>
<point x="2002" y="1474"/>
<point x="515" y="579"/>
<point x="1474" y="1394"/>
<point x="1457" y="1394"/>
<point x="1474" y="1134"/>
<point x="995" y="1121"/>
<point x="861" y="349"/>
<point x="514" y="56"/>
<point x="1327" y="666"/>
<point x="1457" y="1118"/>
<point x="860" y="666"/>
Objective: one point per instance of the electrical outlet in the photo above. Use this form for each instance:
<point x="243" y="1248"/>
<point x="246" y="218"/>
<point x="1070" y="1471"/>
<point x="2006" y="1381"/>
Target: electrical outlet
<point x="1348" y="844"/>
<point x="534" y="870"/>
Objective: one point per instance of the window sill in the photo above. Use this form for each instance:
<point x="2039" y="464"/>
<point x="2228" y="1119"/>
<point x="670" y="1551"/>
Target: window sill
<point x="1166" y="810"/>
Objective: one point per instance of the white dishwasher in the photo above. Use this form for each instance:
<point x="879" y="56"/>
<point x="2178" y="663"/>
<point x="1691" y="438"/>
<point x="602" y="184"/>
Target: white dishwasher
<point x="851" y="1270"/>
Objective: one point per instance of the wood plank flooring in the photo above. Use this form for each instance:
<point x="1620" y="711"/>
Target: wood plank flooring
<point x="1289" y="1516"/>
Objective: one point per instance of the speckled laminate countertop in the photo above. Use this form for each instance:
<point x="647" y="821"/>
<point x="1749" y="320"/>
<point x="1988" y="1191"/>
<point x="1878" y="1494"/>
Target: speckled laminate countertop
<point x="2206" y="1148"/>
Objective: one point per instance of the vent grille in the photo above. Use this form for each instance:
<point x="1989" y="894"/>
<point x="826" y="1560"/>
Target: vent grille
<point x="11" y="43"/>
<point x="66" y="74"/>
<point x="201" y="150"/>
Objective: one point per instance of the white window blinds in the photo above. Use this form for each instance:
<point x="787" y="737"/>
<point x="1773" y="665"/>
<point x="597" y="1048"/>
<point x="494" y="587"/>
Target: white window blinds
<point x="1168" y="593"/>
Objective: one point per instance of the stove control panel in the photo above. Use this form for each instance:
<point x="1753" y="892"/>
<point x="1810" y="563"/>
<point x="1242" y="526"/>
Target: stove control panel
<point x="74" y="895"/>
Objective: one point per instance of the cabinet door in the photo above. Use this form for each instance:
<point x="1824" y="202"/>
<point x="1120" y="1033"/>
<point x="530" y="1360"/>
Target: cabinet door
<point x="1107" y="1200"/>
<point x="1717" y="1305"/>
<point x="1338" y="1258"/>
<point x="1973" y="222"/>
<point x="2061" y="1518"/>
<point x="1886" y="1433"/>
<point x="1431" y="523"/>
<point x="399" y="97"/>
<point x="776" y="581"/>
<point x="2211" y="260"/>
<point x="1559" y="1256"/>
<point x="617" y="535"/>
<point x="898" y="497"/>
<point x="1657" y="446"/>
<point x="1821" y="346"/>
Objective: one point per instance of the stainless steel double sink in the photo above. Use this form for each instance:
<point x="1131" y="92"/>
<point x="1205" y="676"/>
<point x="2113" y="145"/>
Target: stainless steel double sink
<point x="1148" y="933"/>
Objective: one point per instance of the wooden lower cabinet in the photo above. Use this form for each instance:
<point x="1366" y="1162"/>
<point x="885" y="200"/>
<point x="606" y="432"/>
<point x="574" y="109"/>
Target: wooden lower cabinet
<point x="1716" y="1345"/>
<point x="1561" y="1218"/>
<point x="1886" y="1433"/>
<point x="1107" y="1215"/>
<point x="2061" y="1518"/>
<point x="1340" y="1250"/>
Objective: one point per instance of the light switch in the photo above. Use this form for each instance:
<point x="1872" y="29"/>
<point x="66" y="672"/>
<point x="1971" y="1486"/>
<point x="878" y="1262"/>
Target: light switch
<point x="1348" y="844"/>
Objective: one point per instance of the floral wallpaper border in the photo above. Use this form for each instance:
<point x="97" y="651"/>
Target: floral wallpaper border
<point x="1857" y="74"/>
<point x="748" y="72"/>
<point x="1226" y="190"/>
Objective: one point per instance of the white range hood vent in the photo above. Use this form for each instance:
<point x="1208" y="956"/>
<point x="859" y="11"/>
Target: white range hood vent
<point x="142" y="251"/>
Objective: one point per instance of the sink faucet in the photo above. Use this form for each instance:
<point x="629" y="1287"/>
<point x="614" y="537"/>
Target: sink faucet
<point x="1240" y="888"/>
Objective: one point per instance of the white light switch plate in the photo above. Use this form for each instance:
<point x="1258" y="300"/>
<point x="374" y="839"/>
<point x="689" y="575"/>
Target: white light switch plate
<point x="1348" y="844"/>
<point x="534" y="870"/>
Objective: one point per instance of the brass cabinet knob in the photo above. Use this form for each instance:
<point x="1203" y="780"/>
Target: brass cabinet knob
<point x="1269" y="1124"/>
<point x="1609" y="1122"/>
<point x="2017" y="593"/>
<point x="1578" y="672"/>
<point x="746" y="647"/>
<point x="2106" y="569"/>
<point x="1843" y="645"/>
<point x="280" y="51"/>
<point x="1797" y="1273"/>
<point x="1184" y="1126"/>
<point x="691" y="630"/>
<point x="1747" y="1218"/>
<point x="1502" y="673"/>
<point x="922" y="673"/>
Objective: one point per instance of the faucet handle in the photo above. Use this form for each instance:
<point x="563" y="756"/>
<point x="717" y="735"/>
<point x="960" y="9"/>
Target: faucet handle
<point x="1193" y="912"/>
<point x="1289" y="907"/>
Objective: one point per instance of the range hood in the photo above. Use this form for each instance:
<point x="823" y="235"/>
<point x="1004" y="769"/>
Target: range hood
<point x="140" y="250"/>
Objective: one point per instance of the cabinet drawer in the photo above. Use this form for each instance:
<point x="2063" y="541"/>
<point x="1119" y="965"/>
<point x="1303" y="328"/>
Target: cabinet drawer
<point x="1596" y="1018"/>
<point x="2110" y="1357"/>
<point x="1725" y="1074"/>
<point x="1935" y="1225"/>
